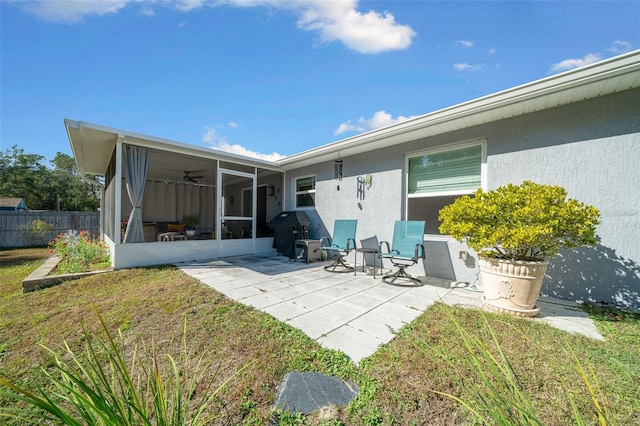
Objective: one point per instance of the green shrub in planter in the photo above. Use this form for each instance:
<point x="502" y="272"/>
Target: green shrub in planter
<point x="520" y="222"/>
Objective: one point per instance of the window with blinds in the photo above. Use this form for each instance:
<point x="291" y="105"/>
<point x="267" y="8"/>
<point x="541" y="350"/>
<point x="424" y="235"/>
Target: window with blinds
<point x="436" y="178"/>
<point x="457" y="170"/>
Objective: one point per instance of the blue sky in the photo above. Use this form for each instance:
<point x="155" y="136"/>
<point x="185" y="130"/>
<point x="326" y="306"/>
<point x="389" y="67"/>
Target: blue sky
<point x="278" y="77"/>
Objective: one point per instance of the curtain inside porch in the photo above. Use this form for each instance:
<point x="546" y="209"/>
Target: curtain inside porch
<point x="136" y="161"/>
<point x="170" y="201"/>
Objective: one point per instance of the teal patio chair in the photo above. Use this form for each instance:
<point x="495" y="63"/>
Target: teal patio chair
<point x="343" y="241"/>
<point x="406" y="249"/>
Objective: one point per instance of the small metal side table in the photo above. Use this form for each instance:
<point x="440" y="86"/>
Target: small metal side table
<point x="366" y="250"/>
<point x="309" y="250"/>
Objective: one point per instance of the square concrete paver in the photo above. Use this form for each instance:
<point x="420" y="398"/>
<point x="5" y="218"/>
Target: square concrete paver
<point x="353" y="314"/>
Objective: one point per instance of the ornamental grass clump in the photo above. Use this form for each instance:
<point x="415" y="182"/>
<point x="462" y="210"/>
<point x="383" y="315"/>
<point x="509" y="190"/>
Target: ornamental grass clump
<point x="104" y="386"/>
<point x="79" y="252"/>
<point x="520" y="222"/>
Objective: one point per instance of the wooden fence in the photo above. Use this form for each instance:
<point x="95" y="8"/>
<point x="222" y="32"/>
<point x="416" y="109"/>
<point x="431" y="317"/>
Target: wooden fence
<point x="15" y="227"/>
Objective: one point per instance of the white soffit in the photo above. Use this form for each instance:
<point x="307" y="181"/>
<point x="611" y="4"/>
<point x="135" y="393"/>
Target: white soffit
<point x="603" y="78"/>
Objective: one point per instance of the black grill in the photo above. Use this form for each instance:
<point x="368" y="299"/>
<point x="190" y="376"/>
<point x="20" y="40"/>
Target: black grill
<point x="287" y="228"/>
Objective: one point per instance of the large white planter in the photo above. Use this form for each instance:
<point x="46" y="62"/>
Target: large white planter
<point x="512" y="286"/>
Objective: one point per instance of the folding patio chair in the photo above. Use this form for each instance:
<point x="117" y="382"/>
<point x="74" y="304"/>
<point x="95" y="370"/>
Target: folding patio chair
<point x="407" y="247"/>
<point x="343" y="241"/>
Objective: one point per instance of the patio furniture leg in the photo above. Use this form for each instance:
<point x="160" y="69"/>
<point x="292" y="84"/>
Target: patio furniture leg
<point x="339" y="263"/>
<point x="400" y="273"/>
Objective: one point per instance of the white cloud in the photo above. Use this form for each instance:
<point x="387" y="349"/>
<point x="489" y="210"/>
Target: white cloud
<point x="492" y="51"/>
<point x="211" y="137"/>
<point x="187" y="5"/>
<point x="71" y="11"/>
<point x="215" y="141"/>
<point x="463" y="66"/>
<point x="465" y="43"/>
<point x="147" y="11"/>
<point x="619" y="46"/>
<point x="370" y="32"/>
<point x="568" y="64"/>
<point x="378" y="120"/>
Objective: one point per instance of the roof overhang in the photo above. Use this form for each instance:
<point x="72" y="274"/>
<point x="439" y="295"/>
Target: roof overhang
<point x="602" y="78"/>
<point x="93" y="145"/>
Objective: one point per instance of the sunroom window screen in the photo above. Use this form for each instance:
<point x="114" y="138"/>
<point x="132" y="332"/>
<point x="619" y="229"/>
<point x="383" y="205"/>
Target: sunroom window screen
<point x="446" y="171"/>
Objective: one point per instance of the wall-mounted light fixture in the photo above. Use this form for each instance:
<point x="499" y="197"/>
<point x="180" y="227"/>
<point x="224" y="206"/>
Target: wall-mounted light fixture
<point x="338" y="169"/>
<point x="271" y="190"/>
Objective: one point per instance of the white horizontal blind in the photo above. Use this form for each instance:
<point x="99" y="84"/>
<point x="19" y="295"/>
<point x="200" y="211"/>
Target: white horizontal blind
<point x="455" y="170"/>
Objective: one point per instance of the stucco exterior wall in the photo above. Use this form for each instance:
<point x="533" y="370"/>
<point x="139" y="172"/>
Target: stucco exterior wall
<point x="591" y="148"/>
<point x="376" y="208"/>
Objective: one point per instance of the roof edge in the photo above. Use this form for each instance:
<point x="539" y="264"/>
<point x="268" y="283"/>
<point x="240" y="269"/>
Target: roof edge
<point x="160" y="143"/>
<point x="601" y="70"/>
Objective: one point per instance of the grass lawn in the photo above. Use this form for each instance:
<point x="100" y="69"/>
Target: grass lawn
<point x="151" y="305"/>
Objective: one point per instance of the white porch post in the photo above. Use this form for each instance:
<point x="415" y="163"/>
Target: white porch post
<point x="102" y="215"/>
<point x="218" y="221"/>
<point x="117" y="217"/>
<point x="254" y="210"/>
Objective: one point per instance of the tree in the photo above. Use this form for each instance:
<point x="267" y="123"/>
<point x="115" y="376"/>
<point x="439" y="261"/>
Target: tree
<point x="24" y="176"/>
<point x="71" y="191"/>
<point x="58" y="188"/>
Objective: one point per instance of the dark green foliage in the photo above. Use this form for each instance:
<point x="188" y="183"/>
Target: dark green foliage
<point x="59" y="187"/>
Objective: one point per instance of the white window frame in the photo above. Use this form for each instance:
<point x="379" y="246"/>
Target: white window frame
<point x="445" y="148"/>
<point x="310" y="191"/>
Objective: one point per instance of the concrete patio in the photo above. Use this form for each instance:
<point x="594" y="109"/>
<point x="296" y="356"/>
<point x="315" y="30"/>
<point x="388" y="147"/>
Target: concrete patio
<point x="352" y="313"/>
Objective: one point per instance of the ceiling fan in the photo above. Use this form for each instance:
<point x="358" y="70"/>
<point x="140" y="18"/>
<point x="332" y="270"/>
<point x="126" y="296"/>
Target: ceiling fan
<point x="187" y="176"/>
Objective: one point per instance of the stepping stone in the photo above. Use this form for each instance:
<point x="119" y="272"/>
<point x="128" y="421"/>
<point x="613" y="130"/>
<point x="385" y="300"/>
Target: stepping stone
<point x="308" y="392"/>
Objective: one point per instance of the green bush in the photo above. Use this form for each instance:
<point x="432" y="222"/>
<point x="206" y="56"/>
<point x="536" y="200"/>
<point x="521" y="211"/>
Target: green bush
<point x="520" y="222"/>
<point x="35" y="233"/>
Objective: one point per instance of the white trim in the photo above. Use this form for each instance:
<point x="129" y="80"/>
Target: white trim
<point x="237" y="173"/>
<point x="440" y="194"/>
<point x="117" y="206"/>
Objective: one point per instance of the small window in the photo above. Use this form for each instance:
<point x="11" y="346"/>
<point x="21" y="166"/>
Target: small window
<point x="306" y="192"/>
<point x="436" y="178"/>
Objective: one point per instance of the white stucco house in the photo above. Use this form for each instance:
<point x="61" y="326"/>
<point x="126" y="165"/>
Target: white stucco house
<point x="579" y="129"/>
